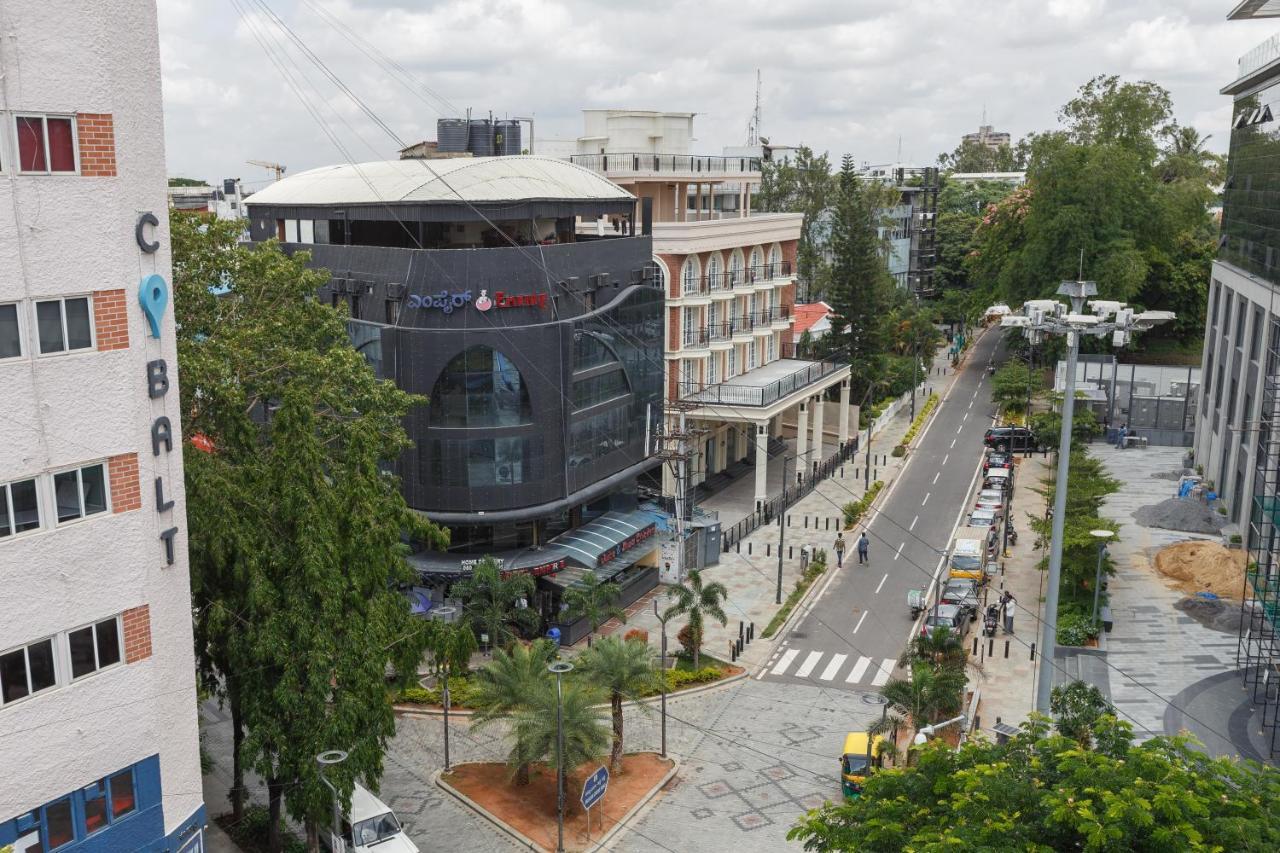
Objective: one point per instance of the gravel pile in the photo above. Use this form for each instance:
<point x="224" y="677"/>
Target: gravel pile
<point x="1184" y="514"/>
<point x="1173" y="475"/>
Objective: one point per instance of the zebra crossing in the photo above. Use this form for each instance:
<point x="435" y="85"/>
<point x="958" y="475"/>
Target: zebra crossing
<point x="827" y="667"/>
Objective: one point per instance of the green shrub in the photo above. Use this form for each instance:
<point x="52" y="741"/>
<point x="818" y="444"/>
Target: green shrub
<point x="416" y="696"/>
<point x="1236" y="539"/>
<point x="899" y="452"/>
<point x="250" y="834"/>
<point x="461" y="694"/>
<point x="854" y="510"/>
<point x="677" y="678"/>
<point x="1075" y="629"/>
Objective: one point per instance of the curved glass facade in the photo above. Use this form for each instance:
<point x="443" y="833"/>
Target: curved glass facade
<point x="1251" y="195"/>
<point x="480" y="388"/>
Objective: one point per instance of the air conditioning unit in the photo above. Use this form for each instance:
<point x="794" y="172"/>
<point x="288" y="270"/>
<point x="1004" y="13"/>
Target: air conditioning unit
<point x="397" y="290"/>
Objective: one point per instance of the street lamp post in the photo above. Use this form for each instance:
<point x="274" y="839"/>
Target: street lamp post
<point x="782" y="528"/>
<point x="325" y="760"/>
<point x="559" y="668"/>
<point x="1050" y="316"/>
<point x="1102" y="536"/>
<point x="662" y="679"/>
<point x="443" y="614"/>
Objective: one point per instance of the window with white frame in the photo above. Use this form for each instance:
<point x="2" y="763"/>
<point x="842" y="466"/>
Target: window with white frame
<point x="46" y="144"/>
<point x="753" y="349"/>
<point x="715" y="266"/>
<point x="27" y="670"/>
<point x="659" y="275"/>
<point x="80" y="492"/>
<point x="775" y="261"/>
<point x="735" y="267"/>
<point x="690" y="273"/>
<point x="713" y="368"/>
<point x="94" y="647"/>
<point x="757" y="258"/>
<point x="10" y="331"/>
<point x="732" y="368"/>
<point x="19" y="507"/>
<point x="773" y="347"/>
<point x="64" y="324"/>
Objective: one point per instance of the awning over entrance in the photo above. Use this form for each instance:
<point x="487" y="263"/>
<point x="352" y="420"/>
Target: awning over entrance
<point x="437" y="566"/>
<point x="607" y="545"/>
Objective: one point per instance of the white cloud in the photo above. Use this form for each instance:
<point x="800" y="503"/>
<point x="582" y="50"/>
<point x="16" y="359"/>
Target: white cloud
<point x="840" y="75"/>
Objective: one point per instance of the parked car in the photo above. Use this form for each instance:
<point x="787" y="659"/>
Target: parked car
<point x="984" y="518"/>
<point x="947" y="616"/>
<point x="1000" y="479"/>
<point x="1011" y="438"/>
<point x="369" y="825"/>
<point x="997" y="459"/>
<point x="991" y="499"/>
<point x="963" y="593"/>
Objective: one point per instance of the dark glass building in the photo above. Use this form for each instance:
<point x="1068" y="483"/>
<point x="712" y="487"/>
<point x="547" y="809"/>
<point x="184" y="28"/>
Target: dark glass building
<point x="516" y="295"/>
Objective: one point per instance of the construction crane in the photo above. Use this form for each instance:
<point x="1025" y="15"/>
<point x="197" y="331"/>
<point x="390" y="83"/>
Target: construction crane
<point x="274" y="167"/>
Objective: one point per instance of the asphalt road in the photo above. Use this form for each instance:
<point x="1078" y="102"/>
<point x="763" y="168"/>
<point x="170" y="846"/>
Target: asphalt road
<point x="859" y="624"/>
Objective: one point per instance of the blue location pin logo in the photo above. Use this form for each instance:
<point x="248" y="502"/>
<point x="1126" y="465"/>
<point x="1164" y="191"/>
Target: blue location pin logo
<point x="153" y="295"/>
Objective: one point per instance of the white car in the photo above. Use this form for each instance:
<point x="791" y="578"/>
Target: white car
<point x="369" y="826"/>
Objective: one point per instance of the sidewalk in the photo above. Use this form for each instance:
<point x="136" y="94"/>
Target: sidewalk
<point x="750" y="570"/>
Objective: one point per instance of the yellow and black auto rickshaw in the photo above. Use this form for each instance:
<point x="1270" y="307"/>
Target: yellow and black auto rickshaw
<point x="862" y="757"/>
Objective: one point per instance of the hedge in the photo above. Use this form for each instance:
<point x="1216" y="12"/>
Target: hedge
<point x="854" y="510"/>
<point x="812" y="573"/>
<point x="929" y="405"/>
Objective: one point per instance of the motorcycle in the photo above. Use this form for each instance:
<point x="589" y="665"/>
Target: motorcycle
<point x="1013" y="535"/>
<point x="915" y="601"/>
<point x="991" y="620"/>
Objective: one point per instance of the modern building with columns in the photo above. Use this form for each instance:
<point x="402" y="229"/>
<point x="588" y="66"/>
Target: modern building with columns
<point x="731" y="359"/>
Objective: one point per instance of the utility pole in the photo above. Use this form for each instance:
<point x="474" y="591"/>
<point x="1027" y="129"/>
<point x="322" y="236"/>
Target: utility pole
<point x="444" y="614"/>
<point x="662" y="620"/>
<point x="782" y="528"/>
<point x="559" y="668"/>
<point x="676" y="452"/>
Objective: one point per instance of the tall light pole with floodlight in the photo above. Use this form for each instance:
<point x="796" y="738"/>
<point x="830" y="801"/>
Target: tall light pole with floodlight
<point x="1042" y="317"/>
<point x="559" y="667"/>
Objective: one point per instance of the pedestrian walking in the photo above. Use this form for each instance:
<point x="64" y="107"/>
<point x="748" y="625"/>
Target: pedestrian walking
<point x="1124" y="431"/>
<point x="838" y="546"/>
<point x="1007" y="603"/>
<point x="864" y="545"/>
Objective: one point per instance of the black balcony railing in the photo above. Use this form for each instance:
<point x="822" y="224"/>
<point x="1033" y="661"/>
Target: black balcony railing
<point x="666" y="163"/>
<point x="729" y="280"/>
<point x="742" y="394"/>
<point x="695" y="337"/>
<point x="720" y="331"/>
<point x="768" y="272"/>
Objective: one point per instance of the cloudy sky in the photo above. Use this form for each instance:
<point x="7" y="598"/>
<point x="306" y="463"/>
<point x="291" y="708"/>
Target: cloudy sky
<point x="857" y="76"/>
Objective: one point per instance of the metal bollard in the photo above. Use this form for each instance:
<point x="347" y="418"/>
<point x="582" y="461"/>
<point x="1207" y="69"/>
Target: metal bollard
<point x="991" y="647"/>
<point x="806" y="522"/>
<point x="751" y="632"/>
<point x="790" y="550"/>
<point x="1006" y="649"/>
<point x="975" y="645"/>
<point x="741" y="630"/>
<point x="1033" y="651"/>
<point x="748" y="549"/>
<point x="739" y="546"/>
<point x="767" y="548"/>
<point x="739" y="646"/>
<point x="733" y="652"/>
<point x="828" y="525"/>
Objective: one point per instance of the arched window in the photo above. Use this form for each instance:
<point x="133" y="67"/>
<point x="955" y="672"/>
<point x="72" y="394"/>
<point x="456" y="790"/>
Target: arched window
<point x="479" y="388"/>
<point x="775" y="261"/>
<point x="715" y="266"/>
<point x="660" y="275"/>
<point x="736" y="263"/>
<point x="756" y="261"/>
<point x="690" y="273"/>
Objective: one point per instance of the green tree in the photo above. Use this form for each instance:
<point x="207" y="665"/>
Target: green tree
<point x="1045" y="792"/>
<point x="296" y="529"/>
<point x="1010" y="387"/>
<point x="976" y="157"/>
<point x="860" y="286"/>
<point x="698" y="600"/>
<point x="1106" y="111"/>
<point x="496" y="604"/>
<point x="1048" y="425"/>
<point x="802" y="184"/>
<point x="450" y="646"/>
<point x="1076" y="708"/>
<point x="932" y="693"/>
<point x="510" y="684"/>
<point x="594" y="600"/>
<point x="586" y="734"/>
<point x="624" y="669"/>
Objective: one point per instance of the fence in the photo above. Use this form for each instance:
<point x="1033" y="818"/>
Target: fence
<point x="731" y="536"/>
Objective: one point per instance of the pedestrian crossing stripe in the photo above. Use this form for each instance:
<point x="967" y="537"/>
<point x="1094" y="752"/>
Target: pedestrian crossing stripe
<point x="877" y="670"/>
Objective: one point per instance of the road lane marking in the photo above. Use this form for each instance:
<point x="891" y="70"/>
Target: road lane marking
<point x="859" y="625"/>
<point x="859" y="668"/>
<point x="899" y="554"/>
<point x="809" y="663"/>
<point x="953" y="444"/>
<point x="971" y="404"/>
<point x="782" y="665"/>
<point x="965" y="418"/>
<point x="945" y="458"/>
<point x="886" y="669"/>
<point x="829" y="673"/>
<point x="959" y="428"/>
<point x="913" y="523"/>
<point x="882" y="580"/>
<point x="926" y="498"/>
<point x="936" y="475"/>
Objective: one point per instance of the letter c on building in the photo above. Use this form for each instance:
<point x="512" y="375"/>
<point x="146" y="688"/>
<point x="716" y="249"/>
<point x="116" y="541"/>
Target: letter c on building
<point x="140" y="234"/>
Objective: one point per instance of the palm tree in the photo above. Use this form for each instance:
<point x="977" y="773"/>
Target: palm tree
<point x="939" y="648"/>
<point x="623" y="668"/>
<point x="1187" y="157"/>
<point x="695" y="599"/>
<point x="931" y="694"/>
<point x="586" y="736"/>
<point x="594" y="600"/>
<point x="493" y="603"/>
<point x="508" y="686"/>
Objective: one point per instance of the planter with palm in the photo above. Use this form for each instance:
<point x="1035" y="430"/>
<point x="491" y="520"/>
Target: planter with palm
<point x="511" y="684"/>
<point x="624" y="669"/>
<point x="586" y="734"/>
<point x="696" y="599"/>
<point x="933" y="693"/>
<point x="595" y="601"/>
<point x="494" y="603"/>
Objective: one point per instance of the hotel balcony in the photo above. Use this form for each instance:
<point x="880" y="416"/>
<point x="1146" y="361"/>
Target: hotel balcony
<point x="741" y="281"/>
<point x="763" y="391"/>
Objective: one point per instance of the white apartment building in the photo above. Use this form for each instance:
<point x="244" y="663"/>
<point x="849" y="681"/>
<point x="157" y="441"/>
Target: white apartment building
<point x="98" y="736"/>
<point x="730" y="282"/>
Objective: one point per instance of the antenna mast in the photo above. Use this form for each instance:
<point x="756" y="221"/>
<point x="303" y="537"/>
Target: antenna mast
<point x="753" y="127"/>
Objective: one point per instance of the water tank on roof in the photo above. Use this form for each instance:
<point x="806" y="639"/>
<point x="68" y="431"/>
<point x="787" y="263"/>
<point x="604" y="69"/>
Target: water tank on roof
<point x="506" y="137"/>
<point x="480" y="138"/>
<point x="451" y="134"/>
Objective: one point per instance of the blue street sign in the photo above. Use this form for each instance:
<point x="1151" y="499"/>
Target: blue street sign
<point x="593" y="789"/>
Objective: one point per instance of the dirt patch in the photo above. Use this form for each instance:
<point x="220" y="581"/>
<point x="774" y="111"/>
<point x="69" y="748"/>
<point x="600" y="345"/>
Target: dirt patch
<point x="1203" y="567"/>
<point x="1186" y="514"/>
<point x="1214" y="613"/>
<point x="531" y="809"/>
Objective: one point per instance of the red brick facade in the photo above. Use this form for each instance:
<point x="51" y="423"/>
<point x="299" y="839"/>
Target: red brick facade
<point x="673" y="329"/>
<point x="122" y="471"/>
<point x="97" y="137"/>
<point x="673" y="379"/>
<point x="110" y="320"/>
<point x="137" y="634"/>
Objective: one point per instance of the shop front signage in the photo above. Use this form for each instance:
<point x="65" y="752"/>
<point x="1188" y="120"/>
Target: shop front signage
<point x="547" y="568"/>
<point x="153" y="297"/>
<point x="612" y="553"/>
<point x="446" y="301"/>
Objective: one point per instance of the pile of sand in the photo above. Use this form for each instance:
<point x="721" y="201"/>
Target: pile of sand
<point x="1186" y="514"/>
<point x="1199" y="566"/>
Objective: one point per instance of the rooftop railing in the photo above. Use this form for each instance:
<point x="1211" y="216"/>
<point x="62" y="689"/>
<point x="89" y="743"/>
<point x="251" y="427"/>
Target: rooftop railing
<point x="742" y="394"/>
<point x="666" y="163"/>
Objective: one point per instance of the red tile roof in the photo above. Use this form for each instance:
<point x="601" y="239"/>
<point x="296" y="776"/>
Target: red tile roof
<point x="807" y="314"/>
